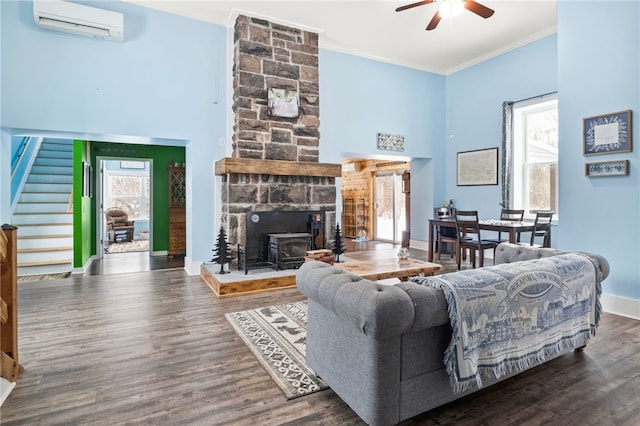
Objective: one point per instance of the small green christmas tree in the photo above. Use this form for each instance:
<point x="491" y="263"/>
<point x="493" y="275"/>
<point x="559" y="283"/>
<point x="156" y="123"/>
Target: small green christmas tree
<point x="221" y="253"/>
<point x="338" y="246"/>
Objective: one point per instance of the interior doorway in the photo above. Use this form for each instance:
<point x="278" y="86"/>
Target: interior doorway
<point x="374" y="206"/>
<point x="125" y="200"/>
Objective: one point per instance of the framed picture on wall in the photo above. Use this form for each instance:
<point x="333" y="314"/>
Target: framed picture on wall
<point x="607" y="134"/>
<point x="282" y="103"/>
<point x="479" y="167"/>
<point x="607" y="168"/>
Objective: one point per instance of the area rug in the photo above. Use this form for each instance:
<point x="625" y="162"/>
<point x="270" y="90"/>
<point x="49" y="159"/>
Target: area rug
<point x="129" y="246"/>
<point x="43" y="277"/>
<point x="277" y="336"/>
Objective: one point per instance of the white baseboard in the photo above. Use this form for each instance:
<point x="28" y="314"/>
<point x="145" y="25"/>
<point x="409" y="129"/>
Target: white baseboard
<point x="85" y="267"/>
<point x="159" y="253"/>
<point x="620" y="306"/>
<point x="192" y="268"/>
<point x="419" y="244"/>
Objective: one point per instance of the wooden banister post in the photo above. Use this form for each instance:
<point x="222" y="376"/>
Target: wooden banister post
<point x="10" y="368"/>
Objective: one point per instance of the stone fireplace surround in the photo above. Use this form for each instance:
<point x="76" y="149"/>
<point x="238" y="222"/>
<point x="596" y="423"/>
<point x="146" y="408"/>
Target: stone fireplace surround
<point x="274" y="164"/>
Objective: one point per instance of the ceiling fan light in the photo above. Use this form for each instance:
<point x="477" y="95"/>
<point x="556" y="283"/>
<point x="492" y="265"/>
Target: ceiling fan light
<point x="449" y="8"/>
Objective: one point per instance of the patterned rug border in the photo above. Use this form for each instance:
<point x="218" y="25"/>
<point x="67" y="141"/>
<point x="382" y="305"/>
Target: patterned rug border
<point x="43" y="277"/>
<point x="284" y="362"/>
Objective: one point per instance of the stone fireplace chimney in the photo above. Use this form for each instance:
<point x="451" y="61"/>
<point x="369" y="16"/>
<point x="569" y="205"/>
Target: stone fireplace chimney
<point x="275" y="160"/>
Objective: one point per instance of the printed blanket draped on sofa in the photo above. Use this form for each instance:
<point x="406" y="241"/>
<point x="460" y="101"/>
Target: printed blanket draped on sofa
<point x="510" y="317"/>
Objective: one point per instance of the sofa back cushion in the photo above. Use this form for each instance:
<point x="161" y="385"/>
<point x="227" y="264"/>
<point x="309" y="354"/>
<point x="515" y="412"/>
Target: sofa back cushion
<point x="509" y="253"/>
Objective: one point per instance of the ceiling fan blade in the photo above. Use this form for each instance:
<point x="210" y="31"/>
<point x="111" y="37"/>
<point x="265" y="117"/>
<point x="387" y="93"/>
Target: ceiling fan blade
<point x="478" y="8"/>
<point x="434" y="21"/>
<point x="409" y="6"/>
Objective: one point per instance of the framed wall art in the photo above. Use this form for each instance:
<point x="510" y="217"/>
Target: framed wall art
<point x="282" y="103"/>
<point x="390" y="142"/>
<point x="607" y="134"/>
<point x="607" y="168"/>
<point x="479" y="167"/>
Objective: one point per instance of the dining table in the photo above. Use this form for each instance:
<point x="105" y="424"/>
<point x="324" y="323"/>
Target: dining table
<point x="511" y="227"/>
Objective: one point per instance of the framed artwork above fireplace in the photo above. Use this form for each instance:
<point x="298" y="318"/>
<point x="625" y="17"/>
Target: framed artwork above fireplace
<point x="283" y="103"/>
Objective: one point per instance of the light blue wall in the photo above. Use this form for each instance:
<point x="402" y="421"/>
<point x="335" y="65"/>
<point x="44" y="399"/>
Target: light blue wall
<point x="474" y="113"/>
<point x="598" y="73"/>
<point x="159" y="86"/>
<point x="360" y="98"/>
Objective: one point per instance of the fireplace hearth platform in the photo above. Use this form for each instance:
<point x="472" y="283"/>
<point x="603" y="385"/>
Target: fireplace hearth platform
<point x="236" y="282"/>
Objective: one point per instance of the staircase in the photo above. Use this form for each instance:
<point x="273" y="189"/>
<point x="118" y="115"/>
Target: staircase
<point x="43" y="213"/>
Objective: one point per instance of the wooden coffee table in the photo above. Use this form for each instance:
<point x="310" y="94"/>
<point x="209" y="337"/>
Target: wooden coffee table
<point x="380" y="269"/>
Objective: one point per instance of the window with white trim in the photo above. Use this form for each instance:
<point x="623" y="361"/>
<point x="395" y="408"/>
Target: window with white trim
<point x="130" y="192"/>
<point x="535" y="155"/>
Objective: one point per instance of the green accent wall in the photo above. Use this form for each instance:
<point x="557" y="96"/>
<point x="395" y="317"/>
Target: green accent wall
<point x="84" y="219"/>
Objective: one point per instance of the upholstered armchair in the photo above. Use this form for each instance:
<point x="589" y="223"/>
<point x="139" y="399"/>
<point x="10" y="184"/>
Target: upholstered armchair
<point x="119" y="227"/>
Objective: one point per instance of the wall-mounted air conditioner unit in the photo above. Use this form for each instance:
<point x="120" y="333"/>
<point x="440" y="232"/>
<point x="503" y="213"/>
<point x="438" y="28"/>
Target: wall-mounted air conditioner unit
<point x="351" y="167"/>
<point x="79" y="19"/>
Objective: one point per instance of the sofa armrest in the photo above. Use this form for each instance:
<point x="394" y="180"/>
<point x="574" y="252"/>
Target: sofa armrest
<point x="378" y="311"/>
<point x="600" y="261"/>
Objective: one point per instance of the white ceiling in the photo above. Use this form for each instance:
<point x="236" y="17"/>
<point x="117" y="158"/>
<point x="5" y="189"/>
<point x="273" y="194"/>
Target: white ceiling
<point x="373" y="28"/>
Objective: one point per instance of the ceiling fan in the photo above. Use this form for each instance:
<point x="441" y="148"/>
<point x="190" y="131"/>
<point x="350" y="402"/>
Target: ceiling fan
<point x="450" y="8"/>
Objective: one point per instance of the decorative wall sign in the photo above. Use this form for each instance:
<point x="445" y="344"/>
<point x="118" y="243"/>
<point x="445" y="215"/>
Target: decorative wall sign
<point x="479" y="167"/>
<point x="282" y="103"/>
<point x="389" y="142"/>
<point x="607" y="168"/>
<point x="607" y="134"/>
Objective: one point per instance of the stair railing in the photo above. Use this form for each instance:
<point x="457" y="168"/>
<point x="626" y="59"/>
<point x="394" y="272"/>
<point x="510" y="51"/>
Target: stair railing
<point x="21" y="164"/>
<point x="17" y="157"/>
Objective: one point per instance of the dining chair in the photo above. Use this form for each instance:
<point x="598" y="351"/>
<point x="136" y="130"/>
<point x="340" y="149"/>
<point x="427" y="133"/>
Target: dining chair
<point x="541" y="228"/>
<point x="510" y="215"/>
<point x="445" y="234"/>
<point x="469" y="236"/>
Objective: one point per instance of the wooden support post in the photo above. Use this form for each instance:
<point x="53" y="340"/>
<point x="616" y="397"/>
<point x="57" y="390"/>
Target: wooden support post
<point x="10" y="368"/>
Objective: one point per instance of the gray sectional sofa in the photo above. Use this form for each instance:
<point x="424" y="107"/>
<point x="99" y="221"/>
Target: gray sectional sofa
<point x="380" y="347"/>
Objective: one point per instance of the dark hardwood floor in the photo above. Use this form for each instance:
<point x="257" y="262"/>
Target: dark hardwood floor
<point x="121" y="263"/>
<point x="155" y="348"/>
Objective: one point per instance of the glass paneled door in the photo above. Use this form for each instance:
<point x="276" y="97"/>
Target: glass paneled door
<point x="389" y="206"/>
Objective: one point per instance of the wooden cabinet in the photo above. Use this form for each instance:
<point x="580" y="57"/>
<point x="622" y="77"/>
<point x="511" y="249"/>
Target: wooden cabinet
<point x="177" y="212"/>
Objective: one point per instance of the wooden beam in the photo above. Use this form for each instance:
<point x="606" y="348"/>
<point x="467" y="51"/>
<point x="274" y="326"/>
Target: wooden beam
<point x="276" y="167"/>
